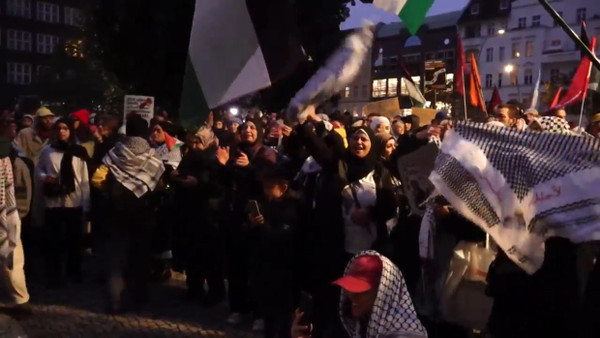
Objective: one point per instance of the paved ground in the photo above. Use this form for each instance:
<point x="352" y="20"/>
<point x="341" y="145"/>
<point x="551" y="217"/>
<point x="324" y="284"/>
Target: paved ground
<point x="78" y="311"/>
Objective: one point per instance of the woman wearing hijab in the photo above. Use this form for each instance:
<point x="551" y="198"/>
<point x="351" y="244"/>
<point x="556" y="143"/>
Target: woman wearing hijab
<point x="368" y="204"/>
<point x="63" y="175"/>
<point x="353" y="203"/>
<point x="385" y="146"/>
<point x="197" y="237"/>
<point x="242" y="166"/>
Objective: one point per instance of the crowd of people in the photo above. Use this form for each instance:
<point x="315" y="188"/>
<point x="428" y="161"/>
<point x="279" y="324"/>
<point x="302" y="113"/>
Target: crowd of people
<point x="262" y="211"/>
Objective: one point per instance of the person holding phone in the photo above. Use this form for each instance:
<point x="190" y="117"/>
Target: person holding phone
<point x="273" y="225"/>
<point x="241" y="168"/>
<point x="374" y="302"/>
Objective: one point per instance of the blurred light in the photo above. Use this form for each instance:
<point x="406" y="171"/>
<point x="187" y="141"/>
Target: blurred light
<point x="501" y="31"/>
<point x="509" y="68"/>
<point x="234" y="111"/>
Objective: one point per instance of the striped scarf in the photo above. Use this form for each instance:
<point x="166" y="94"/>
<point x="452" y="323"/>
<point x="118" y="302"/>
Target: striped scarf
<point x="522" y="187"/>
<point x="393" y="313"/>
<point x="9" y="216"/>
<point x="133" y="164"/>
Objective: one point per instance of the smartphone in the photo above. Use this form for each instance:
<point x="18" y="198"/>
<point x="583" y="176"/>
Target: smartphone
<point x="306" y="307"/>
<point x="253" y="208"/>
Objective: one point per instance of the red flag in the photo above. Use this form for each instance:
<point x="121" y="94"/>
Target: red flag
<point x="579" y="85"/>
<point x="556" y="98"/>
<point x="461" y="66"/>
<point x="495" y="101"/>
<point x="476" y="96"/>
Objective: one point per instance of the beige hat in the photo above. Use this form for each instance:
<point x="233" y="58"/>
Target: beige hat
<point x="43" y="112"/>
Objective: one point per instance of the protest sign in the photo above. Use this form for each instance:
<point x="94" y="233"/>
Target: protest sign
<point x="141" y="105"/>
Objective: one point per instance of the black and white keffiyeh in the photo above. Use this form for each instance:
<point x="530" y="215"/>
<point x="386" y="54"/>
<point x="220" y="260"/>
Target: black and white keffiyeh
<point x="522" y="187"/>
<point x="393" y="313"/>
<point x="134" y="165"/>
<point x="9" y="216"/>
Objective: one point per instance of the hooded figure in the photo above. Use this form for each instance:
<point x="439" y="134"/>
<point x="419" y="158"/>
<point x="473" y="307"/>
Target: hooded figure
<point x="376" y="303"/>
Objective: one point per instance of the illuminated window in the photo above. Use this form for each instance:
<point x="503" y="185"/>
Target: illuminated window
<point x="516" y="53"/>
<point x="392" y="89"/>
<point x="529" y="48"/>
<point x="379" y="88"/>
<point x="347" y="92"/>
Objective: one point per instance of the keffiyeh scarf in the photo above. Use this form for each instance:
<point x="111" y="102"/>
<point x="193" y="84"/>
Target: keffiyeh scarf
<point x="133" y="164"/>
<point x="393" y="312"/>
<point x="522" y="187"/>
<point x="9" y="216"/>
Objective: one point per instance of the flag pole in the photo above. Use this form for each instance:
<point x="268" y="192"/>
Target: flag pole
<point x="464" y="92"/>
<point x="583" y="99"/>
<point x="559" y="20"/>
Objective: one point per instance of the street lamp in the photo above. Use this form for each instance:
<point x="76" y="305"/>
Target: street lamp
<point x="509" y="69"/>
<point x="501" y="31"/>
<point x="234" y="111"/>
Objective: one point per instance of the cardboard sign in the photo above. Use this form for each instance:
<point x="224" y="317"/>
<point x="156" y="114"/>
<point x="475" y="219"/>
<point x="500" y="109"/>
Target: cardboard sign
<point x="141" y="105"/>
<point x="414" y="170"/>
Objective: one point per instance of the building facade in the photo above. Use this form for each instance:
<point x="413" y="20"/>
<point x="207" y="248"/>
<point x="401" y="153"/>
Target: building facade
<point x="396" y="51"/>
<point x="356" y="95"/>
<point x="31" y="32"/>
<point x="516" y="40"/>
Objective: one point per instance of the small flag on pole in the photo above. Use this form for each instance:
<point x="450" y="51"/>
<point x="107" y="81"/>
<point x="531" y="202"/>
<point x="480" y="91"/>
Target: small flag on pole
<point x="495" y="101"/>
<point x="460" y="67"/>
<point x="475" y="93"/>
<point x="411" y="12"/>
<point x="579" y="85"/>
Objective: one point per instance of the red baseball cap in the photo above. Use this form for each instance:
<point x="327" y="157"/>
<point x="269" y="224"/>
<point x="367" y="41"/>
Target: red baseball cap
<point x="364" y="274"/>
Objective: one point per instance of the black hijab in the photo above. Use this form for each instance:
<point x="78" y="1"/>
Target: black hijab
<point x="70" y="148"/>
<point x="361" y="167"/>
<point x="251" y="149"/>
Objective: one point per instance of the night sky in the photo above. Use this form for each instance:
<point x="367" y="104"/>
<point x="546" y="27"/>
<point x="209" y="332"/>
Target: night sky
<point x="368" y="11"/>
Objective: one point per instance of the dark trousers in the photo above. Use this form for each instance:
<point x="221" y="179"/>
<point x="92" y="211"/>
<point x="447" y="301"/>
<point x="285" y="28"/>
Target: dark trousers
<point x="204" y="260"/>
<point x="238" y="272"/>
<point x="63" y="235"/>
<point x="128" y="255"/>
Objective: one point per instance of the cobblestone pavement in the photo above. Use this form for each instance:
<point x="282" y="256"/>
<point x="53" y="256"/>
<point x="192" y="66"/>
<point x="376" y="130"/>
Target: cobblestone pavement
<point x="79" y="311"/>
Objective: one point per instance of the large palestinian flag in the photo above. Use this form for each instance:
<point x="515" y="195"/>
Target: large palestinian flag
<point x="236" y="47"/>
